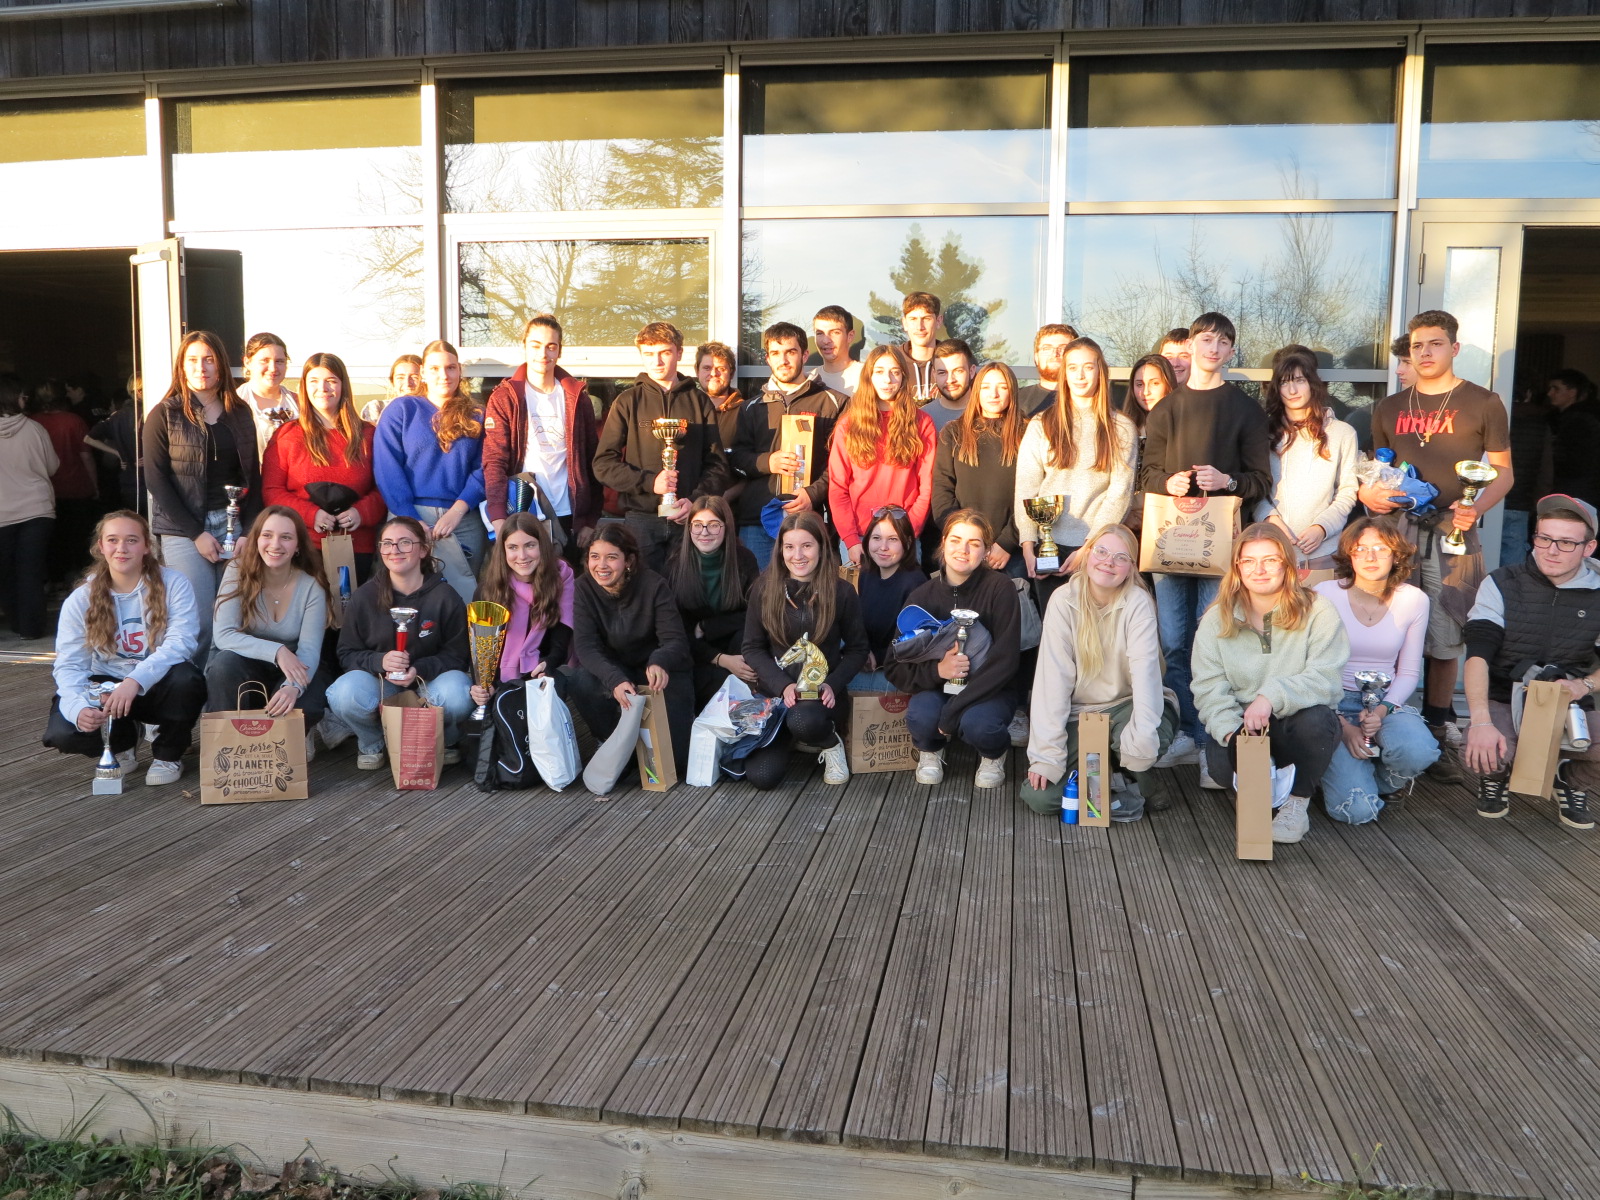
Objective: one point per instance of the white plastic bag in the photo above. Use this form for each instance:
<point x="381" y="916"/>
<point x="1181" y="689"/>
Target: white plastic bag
<point x="552" y="744"/>
<point x="608" y="763"/>
<point x="712" y="728"/>
<point x="1282" y="782"/>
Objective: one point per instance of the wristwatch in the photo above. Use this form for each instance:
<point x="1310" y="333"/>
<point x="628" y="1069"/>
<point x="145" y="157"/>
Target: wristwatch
<point x="1233" y="484"/>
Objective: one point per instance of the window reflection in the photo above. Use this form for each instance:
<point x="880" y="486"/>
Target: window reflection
<point x="1521" y="121"/>
<point x="329" y="157"/>
<point x="603" y="291"/>
<point x="559" y="145"/>
<point x="1320" y="280"/>
<point x="69" y="168"/>
<point x="950" y="133"/>
<point x="1240" y="126"/>
<point x="988" y="271"/>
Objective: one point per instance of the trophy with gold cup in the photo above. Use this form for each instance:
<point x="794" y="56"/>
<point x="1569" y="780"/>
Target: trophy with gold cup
<point x="486" y="625"/>
<point x="667" y="431"/>
<point x="1043" y="511"/>
<point x="1473" y="476"/>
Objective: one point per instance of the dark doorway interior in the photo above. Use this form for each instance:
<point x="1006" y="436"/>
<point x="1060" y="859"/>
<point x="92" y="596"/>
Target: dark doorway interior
<point x="67" y="314"/>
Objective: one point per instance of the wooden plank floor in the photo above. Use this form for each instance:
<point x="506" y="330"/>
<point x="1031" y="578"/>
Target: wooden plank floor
<point x="930" y="971"/>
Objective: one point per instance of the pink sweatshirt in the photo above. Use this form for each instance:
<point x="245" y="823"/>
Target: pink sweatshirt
<point x="856" y="492"/>
<point x="1393" y="645"/>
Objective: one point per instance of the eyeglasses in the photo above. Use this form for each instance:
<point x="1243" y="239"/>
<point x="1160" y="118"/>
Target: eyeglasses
<point x="1117" y="559"/>
<point x="706" y="526"/>
<point x="888" y="510"/>
<point x="1370" y="551"/>
<point x="1272" y="563"/>
<point x="1565" y="545"/>
<point x="400" y="544"/>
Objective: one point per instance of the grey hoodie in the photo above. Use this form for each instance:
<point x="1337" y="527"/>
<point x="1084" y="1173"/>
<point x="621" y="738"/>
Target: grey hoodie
<point x="27" y="460"/>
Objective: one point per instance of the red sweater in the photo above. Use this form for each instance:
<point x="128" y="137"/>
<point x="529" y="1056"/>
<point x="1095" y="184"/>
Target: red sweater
<point x="287" y="468"/>
<point x="856" y="492"/>
<point x="72" y="480"/>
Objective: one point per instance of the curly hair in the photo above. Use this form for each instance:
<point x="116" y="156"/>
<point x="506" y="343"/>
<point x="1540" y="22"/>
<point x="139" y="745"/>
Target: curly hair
<point x="459" y="416"/>
<point x="1399" y="546"/>
<point x="100" y="622"/>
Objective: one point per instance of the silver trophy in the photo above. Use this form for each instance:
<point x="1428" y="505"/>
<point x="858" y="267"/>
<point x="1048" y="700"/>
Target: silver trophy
<point x="230" y="535"/>
<point x="1373" y="685"/>
<point x="402" y="618"/>
<point x="107" y="772"/>
<point x="964" y="619"/>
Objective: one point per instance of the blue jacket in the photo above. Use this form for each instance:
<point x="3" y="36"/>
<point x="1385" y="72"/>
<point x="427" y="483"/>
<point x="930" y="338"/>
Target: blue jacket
<point x="411" y="469"/>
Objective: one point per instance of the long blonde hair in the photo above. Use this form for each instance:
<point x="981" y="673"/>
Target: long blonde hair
<point x="859" y="424"/>
<point x="1294" y="602"/>
<point x="1056" y="421"/>
<point x="1091" y="637"/>
<point x="100" y="623"/>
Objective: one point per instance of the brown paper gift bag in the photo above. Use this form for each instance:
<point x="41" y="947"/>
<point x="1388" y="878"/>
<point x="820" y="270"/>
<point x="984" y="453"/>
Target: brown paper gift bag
<point x="1188" y="535"/>
<point x="1094" y="775"/>
<point x="247" y="756"/>
<point x="798" y="432"/>
<point x="658" y="769"/>
<point x="879" y="738"/>
<point x="339" y="550"/>
<point x="1544" y="717"/>
<point x="413" y="731"/>
<point x="1253" y="802"/>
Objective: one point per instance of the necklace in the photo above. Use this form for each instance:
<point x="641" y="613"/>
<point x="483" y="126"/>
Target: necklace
<point x="1427" y="429"/>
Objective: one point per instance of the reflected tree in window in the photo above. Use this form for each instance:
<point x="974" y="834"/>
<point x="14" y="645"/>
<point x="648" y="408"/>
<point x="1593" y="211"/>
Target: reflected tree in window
<point x="949" y="276"/>
<point x="583" y="176"/>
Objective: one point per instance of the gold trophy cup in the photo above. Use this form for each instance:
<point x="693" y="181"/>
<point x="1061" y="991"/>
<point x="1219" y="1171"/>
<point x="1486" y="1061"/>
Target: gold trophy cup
<point x="667" y="431"/>
<point x="486" y="625"/>
<point x="1043" y="511"/>
<point x="1473" y="476"/>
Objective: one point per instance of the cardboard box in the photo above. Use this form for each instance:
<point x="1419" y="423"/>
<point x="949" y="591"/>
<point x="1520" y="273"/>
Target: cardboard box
<point x="879" y="738"/>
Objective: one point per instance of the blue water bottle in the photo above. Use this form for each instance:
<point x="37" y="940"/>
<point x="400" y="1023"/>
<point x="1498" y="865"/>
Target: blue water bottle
<point x="344" y="585"/>
<point x="1069" y="800"/>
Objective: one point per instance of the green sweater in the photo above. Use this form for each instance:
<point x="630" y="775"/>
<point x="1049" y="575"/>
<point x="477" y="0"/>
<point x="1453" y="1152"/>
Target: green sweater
<point x="1293" y="668"/>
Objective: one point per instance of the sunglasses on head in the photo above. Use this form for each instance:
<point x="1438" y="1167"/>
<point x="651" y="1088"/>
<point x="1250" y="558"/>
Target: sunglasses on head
<point x="888" y="510"/>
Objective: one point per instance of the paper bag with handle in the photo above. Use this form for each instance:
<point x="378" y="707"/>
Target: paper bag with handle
<point x="339" y="562"/>
<point x="658" y="769"/>
<point x="247" y="756"/>
<point x="1188" y="535"/>
<point x="1544" y="717"/>
<point x="413" y="730"/>
<point x="879" y="739"/>
<point x="1094" y="769"/>
<point x="1253" y="802"/>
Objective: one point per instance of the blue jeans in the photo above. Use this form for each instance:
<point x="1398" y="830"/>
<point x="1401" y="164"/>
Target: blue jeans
<point x="984" y="726"/>
<point x="756" y="540"/>
<point x="204" y="577"/>
<point x="872" y="681"/>
<point x="354" y="698"/>
<point x="461" y="553"/>
<point x="1353" y="788"/>
<point x="1513" y="536"/>
<point x="1181" y="600"/>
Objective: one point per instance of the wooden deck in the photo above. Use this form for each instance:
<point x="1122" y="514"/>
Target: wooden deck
<point x="932" y="972"/>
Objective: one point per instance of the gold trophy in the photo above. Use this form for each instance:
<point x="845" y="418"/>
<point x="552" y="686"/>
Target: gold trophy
<point x="1473" y="476"/>
<point x="813" y="667"/>
<point x="667" y="431"/>
<point x="486" y="624"/>
<point x="1044" y="510"/>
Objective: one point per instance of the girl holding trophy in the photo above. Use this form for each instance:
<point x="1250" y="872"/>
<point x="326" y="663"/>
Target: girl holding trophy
<point x="534" y="585"/>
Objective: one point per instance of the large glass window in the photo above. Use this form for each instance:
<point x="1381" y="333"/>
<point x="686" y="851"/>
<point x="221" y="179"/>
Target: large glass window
<point x="71" y="172"/>
<point x="1321" y="280"/>
<point x="1246" y="125"/>
<point x="923" y="133"/>
<point x="988" y="271"/>
<point x="580" y="143"/>
<point x="303" y="158"/>
<point x="1515" y="121"/>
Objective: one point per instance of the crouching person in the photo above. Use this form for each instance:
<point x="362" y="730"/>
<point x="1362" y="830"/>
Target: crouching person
<point x="1543" y="611"/>
<point x="133" y="622"/>
<point x="980" y="712"/>
<point x="1100" y="652"/>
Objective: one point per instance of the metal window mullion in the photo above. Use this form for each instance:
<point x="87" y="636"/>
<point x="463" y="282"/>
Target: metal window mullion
<point x="158" y="179"/>
<point x="1055" y="265"/>
<point x="727" y="249"/>
<point x="1409" y="153"/>
<point x="434" y="298"/>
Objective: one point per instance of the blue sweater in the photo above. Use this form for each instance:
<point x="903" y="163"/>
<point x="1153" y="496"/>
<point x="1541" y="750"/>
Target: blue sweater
<point x="411" y="469"/>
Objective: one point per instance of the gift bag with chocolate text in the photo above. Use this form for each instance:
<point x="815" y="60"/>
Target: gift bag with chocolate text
<point x="413" y="731"/>
<point x="879" y="739"/>
<point x="247" y="756"/>
<point x="1188" y="535"/>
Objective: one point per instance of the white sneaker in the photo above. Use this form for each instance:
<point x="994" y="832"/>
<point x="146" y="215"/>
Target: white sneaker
<point x="835" y="763"/>
<point x="1018" y="729"/>
<point x="1205" y="778"/>
<point x="162" y="772"/>
<point x="125" y="760"/>
<point x="930" y="766"/>
<point x="311" y="744"/>
<point x="370" y="762"/>
<point x="1182" y="750"/>
<point x="991" y="773"/>
<point x="1291" y="822"/>
<point x="333" y="731"/>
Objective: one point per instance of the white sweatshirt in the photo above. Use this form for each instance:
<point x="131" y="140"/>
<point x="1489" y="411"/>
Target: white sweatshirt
<point x="132" y="657"/>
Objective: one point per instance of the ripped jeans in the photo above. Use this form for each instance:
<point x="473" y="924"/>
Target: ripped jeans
<point x="1352" y="788"/>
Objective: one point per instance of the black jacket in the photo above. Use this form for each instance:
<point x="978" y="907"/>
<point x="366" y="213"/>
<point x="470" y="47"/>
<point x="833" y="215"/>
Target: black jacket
<point x="761" y="432"/>
<point x="176" y="451"/>
<point x="436" y="638"/>
<point x="990" y="486"/>
<point x="1219" y="427"/>
<point x="994" y="598"/>
<point x="629" y="455"/>
<point x="1544" y="625"/>
<point x="844" y="645"/>
<point x="712" y="632"/>
<point x="1575" y="451"/>
<point x="619" y="636"/>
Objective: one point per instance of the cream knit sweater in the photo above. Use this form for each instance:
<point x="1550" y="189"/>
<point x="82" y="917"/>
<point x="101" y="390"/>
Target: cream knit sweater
<point x="1094" y="498"/>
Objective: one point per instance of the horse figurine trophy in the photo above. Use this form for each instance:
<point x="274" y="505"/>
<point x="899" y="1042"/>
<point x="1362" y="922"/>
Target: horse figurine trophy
<point x="813" y="667"/>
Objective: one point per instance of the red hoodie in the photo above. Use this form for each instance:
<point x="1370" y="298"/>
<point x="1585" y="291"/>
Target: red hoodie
<point x="287" y="467"/>
<point x="505" y="445"/>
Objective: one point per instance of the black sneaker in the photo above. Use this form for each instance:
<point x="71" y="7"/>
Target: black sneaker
<point x="1492" y="797"/>
<point x="1573" y="805"/>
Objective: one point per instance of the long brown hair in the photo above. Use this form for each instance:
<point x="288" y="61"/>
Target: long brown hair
<point x="859" y="423"/>
<point x="819" y="594"/>
<point x="459" y="416"/>
<point x="684" y="569"/>
<point x="495" y="582"/>
<point x="1294" y="601"/>
<point x="1056" y="421"/>
<point x="1399" y="546"/>
<point x="250" y="576"/>
<point x="971" y="424"/>
<point x="349" y="421"/>
<point x="100" y="626"/>
<point x="226" y="392"/>
<point x="430" y="564"/>
<point x="1132" y="409"/>
<point x="901" y="524"/>
<point x="1284" y="431"/>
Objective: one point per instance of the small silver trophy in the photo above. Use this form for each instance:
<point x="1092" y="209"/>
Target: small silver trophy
<point x="230" y="535"/>
<point x="107" y="772"/>
<point x="964" y="619"/>
<point x="1373" y="685"/>
<point x="667" y="431"/>
<point x="402" y="618"/>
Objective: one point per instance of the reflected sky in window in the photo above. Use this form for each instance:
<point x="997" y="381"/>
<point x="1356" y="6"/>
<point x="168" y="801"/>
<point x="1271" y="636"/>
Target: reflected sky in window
<point x="1510" y="158"/>
<point x="79" y="202"/>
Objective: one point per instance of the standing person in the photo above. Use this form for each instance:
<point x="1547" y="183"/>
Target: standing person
<point x="1532" y="462"/>
<point x="833" y="328"/>
<point x="629" y="456"/>
<point x="526" y="576"/>
<point x="1385" y="619"/>
<point x="1149" y="383"/>
<point x="980" y="713"/>
<point x="1268" y="658"/>
<point x="800" y="592"/>
<point x="134" y="621"/>
<point x="882" y="452"/>
<point x="1049" y="344"/>
<point x="427" y="457"/>
<point x="437" y="657"/>
<point x="716" y="367"/>
<point x="1174" y="347"/>
<point x="975" y="465"/>
<point x="405" y="379"/>
<point x="1206" y="439"/>
<point x="1543" y="611"/>
<point x="272" y="616"/>
<point x="889" y="573"/>
<point x="628" y="634"/>
<point x="952" y="379"/>
<point x="327" y="444"/>
<point x="1574" y="435"/>
<point x="1439" y="421"/>
<point x="266" y="362"/>
<point x="919" y="317"/>
<point x="75" y="484"/>
<point x="758" y="460"/>
<point x="1079" y="448"/>
<point x="115" y="436"/>
<point x="27" y="511"/>
<point x="1313" y="459"/>
<point x="199" y="441"/>
<point x="1100" y="652"/>
<point x="711" y="577"/>
<point x="541" y="421"/>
